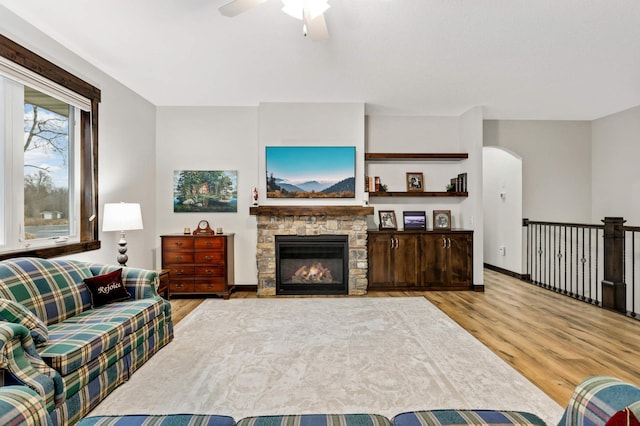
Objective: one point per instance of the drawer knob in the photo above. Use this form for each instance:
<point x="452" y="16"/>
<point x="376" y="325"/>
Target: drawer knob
<point x="179" y="243"/>
<point x="209" y="257"/>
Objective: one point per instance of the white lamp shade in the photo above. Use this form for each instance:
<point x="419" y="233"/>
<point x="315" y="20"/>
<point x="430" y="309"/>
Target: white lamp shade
<point x="121" y="217"/>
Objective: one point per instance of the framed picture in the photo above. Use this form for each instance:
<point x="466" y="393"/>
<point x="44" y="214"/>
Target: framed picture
<point x="387" y="219"/>
<point x="200" y="191"/>
<point x="442" y="219"/>
<point x="414" y="220"/>
<point x="415" y="182"/>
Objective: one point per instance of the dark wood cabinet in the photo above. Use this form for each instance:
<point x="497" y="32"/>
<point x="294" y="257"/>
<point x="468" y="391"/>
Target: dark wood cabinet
<point x="199" y="264"/>
<point x="396" y="257"/>
<point x="425" y="260"/>
<point x="447" y="260"/>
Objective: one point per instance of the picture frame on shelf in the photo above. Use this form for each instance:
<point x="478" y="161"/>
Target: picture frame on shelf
<point x="442" y="219"/>
<point x="387" y="220"/>
<point x="415" y="182"/>
<point x="414" y="220"/>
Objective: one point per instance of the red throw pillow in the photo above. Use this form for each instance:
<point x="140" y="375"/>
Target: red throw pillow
<point x="107" y="288"/>
<point x="623" y="418"/>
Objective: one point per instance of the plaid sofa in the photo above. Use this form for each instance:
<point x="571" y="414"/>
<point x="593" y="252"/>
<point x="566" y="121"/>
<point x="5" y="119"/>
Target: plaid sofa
<point x="72" y="355"/>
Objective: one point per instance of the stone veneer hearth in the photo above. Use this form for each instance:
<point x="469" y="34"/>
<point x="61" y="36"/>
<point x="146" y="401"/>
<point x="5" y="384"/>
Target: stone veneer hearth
<point x="312" y="220"/>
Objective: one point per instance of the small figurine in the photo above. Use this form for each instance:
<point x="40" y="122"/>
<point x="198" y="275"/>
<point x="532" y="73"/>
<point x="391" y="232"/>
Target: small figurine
<point x="255" y="196"/>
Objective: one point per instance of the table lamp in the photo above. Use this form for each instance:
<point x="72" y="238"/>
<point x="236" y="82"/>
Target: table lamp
<point x="122" y="217"/>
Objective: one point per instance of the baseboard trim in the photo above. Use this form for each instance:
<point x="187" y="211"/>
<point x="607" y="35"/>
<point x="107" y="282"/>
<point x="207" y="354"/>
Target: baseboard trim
<point x="504" y="271"/>
<point x="243" y="287"/>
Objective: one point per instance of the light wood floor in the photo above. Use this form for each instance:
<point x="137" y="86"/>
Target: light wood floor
<point x="551" y="339"/>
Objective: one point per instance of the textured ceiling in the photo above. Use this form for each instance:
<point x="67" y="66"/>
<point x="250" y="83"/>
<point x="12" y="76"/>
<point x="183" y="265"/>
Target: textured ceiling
<point x="520" y="59"/>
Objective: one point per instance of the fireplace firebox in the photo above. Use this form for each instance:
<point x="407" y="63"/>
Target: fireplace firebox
<point x="317" y="264"/>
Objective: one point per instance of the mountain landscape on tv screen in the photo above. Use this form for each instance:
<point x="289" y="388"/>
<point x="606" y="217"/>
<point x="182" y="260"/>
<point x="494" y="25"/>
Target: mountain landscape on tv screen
<point x="278" y="188"/>
<point x="310" y="172"/>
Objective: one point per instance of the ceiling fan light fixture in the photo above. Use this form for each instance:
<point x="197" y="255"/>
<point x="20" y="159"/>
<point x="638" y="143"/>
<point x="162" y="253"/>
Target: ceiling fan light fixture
<point x="295" y="8"/>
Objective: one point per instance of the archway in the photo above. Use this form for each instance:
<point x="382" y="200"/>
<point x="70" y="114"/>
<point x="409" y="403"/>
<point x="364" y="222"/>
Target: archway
<point x="502" y="208"/>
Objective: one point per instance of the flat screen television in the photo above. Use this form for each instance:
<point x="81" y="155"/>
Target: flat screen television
<point x="311" y="171"/>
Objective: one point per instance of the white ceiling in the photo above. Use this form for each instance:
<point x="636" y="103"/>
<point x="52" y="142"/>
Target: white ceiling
<point x="520" y="59"/>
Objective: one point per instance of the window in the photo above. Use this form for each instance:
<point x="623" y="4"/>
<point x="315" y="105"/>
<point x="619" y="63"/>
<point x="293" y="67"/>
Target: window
<point x="48" y="154"/>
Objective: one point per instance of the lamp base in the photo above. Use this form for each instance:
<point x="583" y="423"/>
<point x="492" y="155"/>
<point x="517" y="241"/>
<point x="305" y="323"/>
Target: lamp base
<point x="122" y="257"/>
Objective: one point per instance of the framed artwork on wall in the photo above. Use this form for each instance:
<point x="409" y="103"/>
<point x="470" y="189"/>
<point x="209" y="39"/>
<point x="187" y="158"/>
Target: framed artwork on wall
<point x="197" y="191"/>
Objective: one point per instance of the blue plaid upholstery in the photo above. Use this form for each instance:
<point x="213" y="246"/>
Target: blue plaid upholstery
<point x="15" y="312"/>
<point x="317" y="420"/>
<point x="153" y="420"/>
<point x="52" y="289"/>
<point x="20" y="405"/>
<point x="89" y="352"/>
<point x="467" y="417"/>
<point x="597" y="399"/>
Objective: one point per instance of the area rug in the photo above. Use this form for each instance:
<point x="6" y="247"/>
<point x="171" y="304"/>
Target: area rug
<point x="248" y="357"/>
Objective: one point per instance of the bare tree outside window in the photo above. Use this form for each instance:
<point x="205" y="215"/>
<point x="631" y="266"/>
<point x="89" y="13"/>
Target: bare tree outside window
<point x="46" y="166"/>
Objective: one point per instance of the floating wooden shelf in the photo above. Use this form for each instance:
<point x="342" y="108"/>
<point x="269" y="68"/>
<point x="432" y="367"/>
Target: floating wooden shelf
<point x="418" y="194"/>
<point x="371" y="156"/>
<point x="310" y="211"/>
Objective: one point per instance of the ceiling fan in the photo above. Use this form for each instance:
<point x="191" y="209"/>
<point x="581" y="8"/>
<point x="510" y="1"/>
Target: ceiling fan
<point x="310" y="12"/>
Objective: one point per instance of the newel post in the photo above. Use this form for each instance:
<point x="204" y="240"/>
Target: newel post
<point x="613" y="287"/>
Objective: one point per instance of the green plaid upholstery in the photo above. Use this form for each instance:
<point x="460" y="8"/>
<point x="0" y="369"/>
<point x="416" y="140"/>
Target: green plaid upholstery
<point x="22" y="364"/>
<point x="17" y="313"/>
<point x="158" y="420"/>
<point x="317" y="420"/>
<point x="467" y="417"/>
<point x="20" y="405"/>
<point x="89" y="352"/>
<point x="597" y="399"/>
<point x="52" y="289"/>
<point x="81" y="339"/>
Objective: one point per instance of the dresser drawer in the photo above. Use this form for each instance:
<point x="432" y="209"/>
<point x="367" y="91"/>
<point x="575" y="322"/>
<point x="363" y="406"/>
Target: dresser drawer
<point x="169" y="257"/>
<point x="214" y="257"/>
<point x="177" y="243"/>
<point x="209" y="271"/>
<point x="179" y="286"/>
<point x="209" y="287"/>
<point x="180" y="271"/>
<point x="213" y="243"/>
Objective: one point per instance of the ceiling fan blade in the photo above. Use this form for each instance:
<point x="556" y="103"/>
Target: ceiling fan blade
<point x="316" y="28"/>
<point x="236" y="7"/>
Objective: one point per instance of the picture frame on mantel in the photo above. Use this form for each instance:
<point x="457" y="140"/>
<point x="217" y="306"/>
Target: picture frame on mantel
<point x="387" y="220"/>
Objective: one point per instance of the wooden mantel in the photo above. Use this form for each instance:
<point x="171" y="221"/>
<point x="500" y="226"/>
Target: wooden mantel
<point x="310" y="211"/>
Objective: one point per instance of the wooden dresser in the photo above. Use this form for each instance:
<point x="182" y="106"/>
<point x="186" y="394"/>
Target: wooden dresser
<point x="199" y="264"/>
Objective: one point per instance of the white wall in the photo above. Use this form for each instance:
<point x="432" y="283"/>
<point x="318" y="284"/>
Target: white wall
<point x="126" y="142"/>
<point x="209" y="138"/>
<point x="556" y="166"/>
<point x="471" y="124"/>
<point x="309" y="124"/>
<point x="615" y="179"/>
<point x="414" y="134"/>
<point x="502" y="201"/>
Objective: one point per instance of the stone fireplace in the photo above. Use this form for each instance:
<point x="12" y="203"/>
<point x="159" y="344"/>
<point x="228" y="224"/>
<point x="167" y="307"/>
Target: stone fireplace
<point x="349" y="221"/>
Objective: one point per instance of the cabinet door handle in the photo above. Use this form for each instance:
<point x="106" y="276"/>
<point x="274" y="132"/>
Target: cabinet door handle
<point x="448" y="242"/>
<point x="444" y="242"/>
